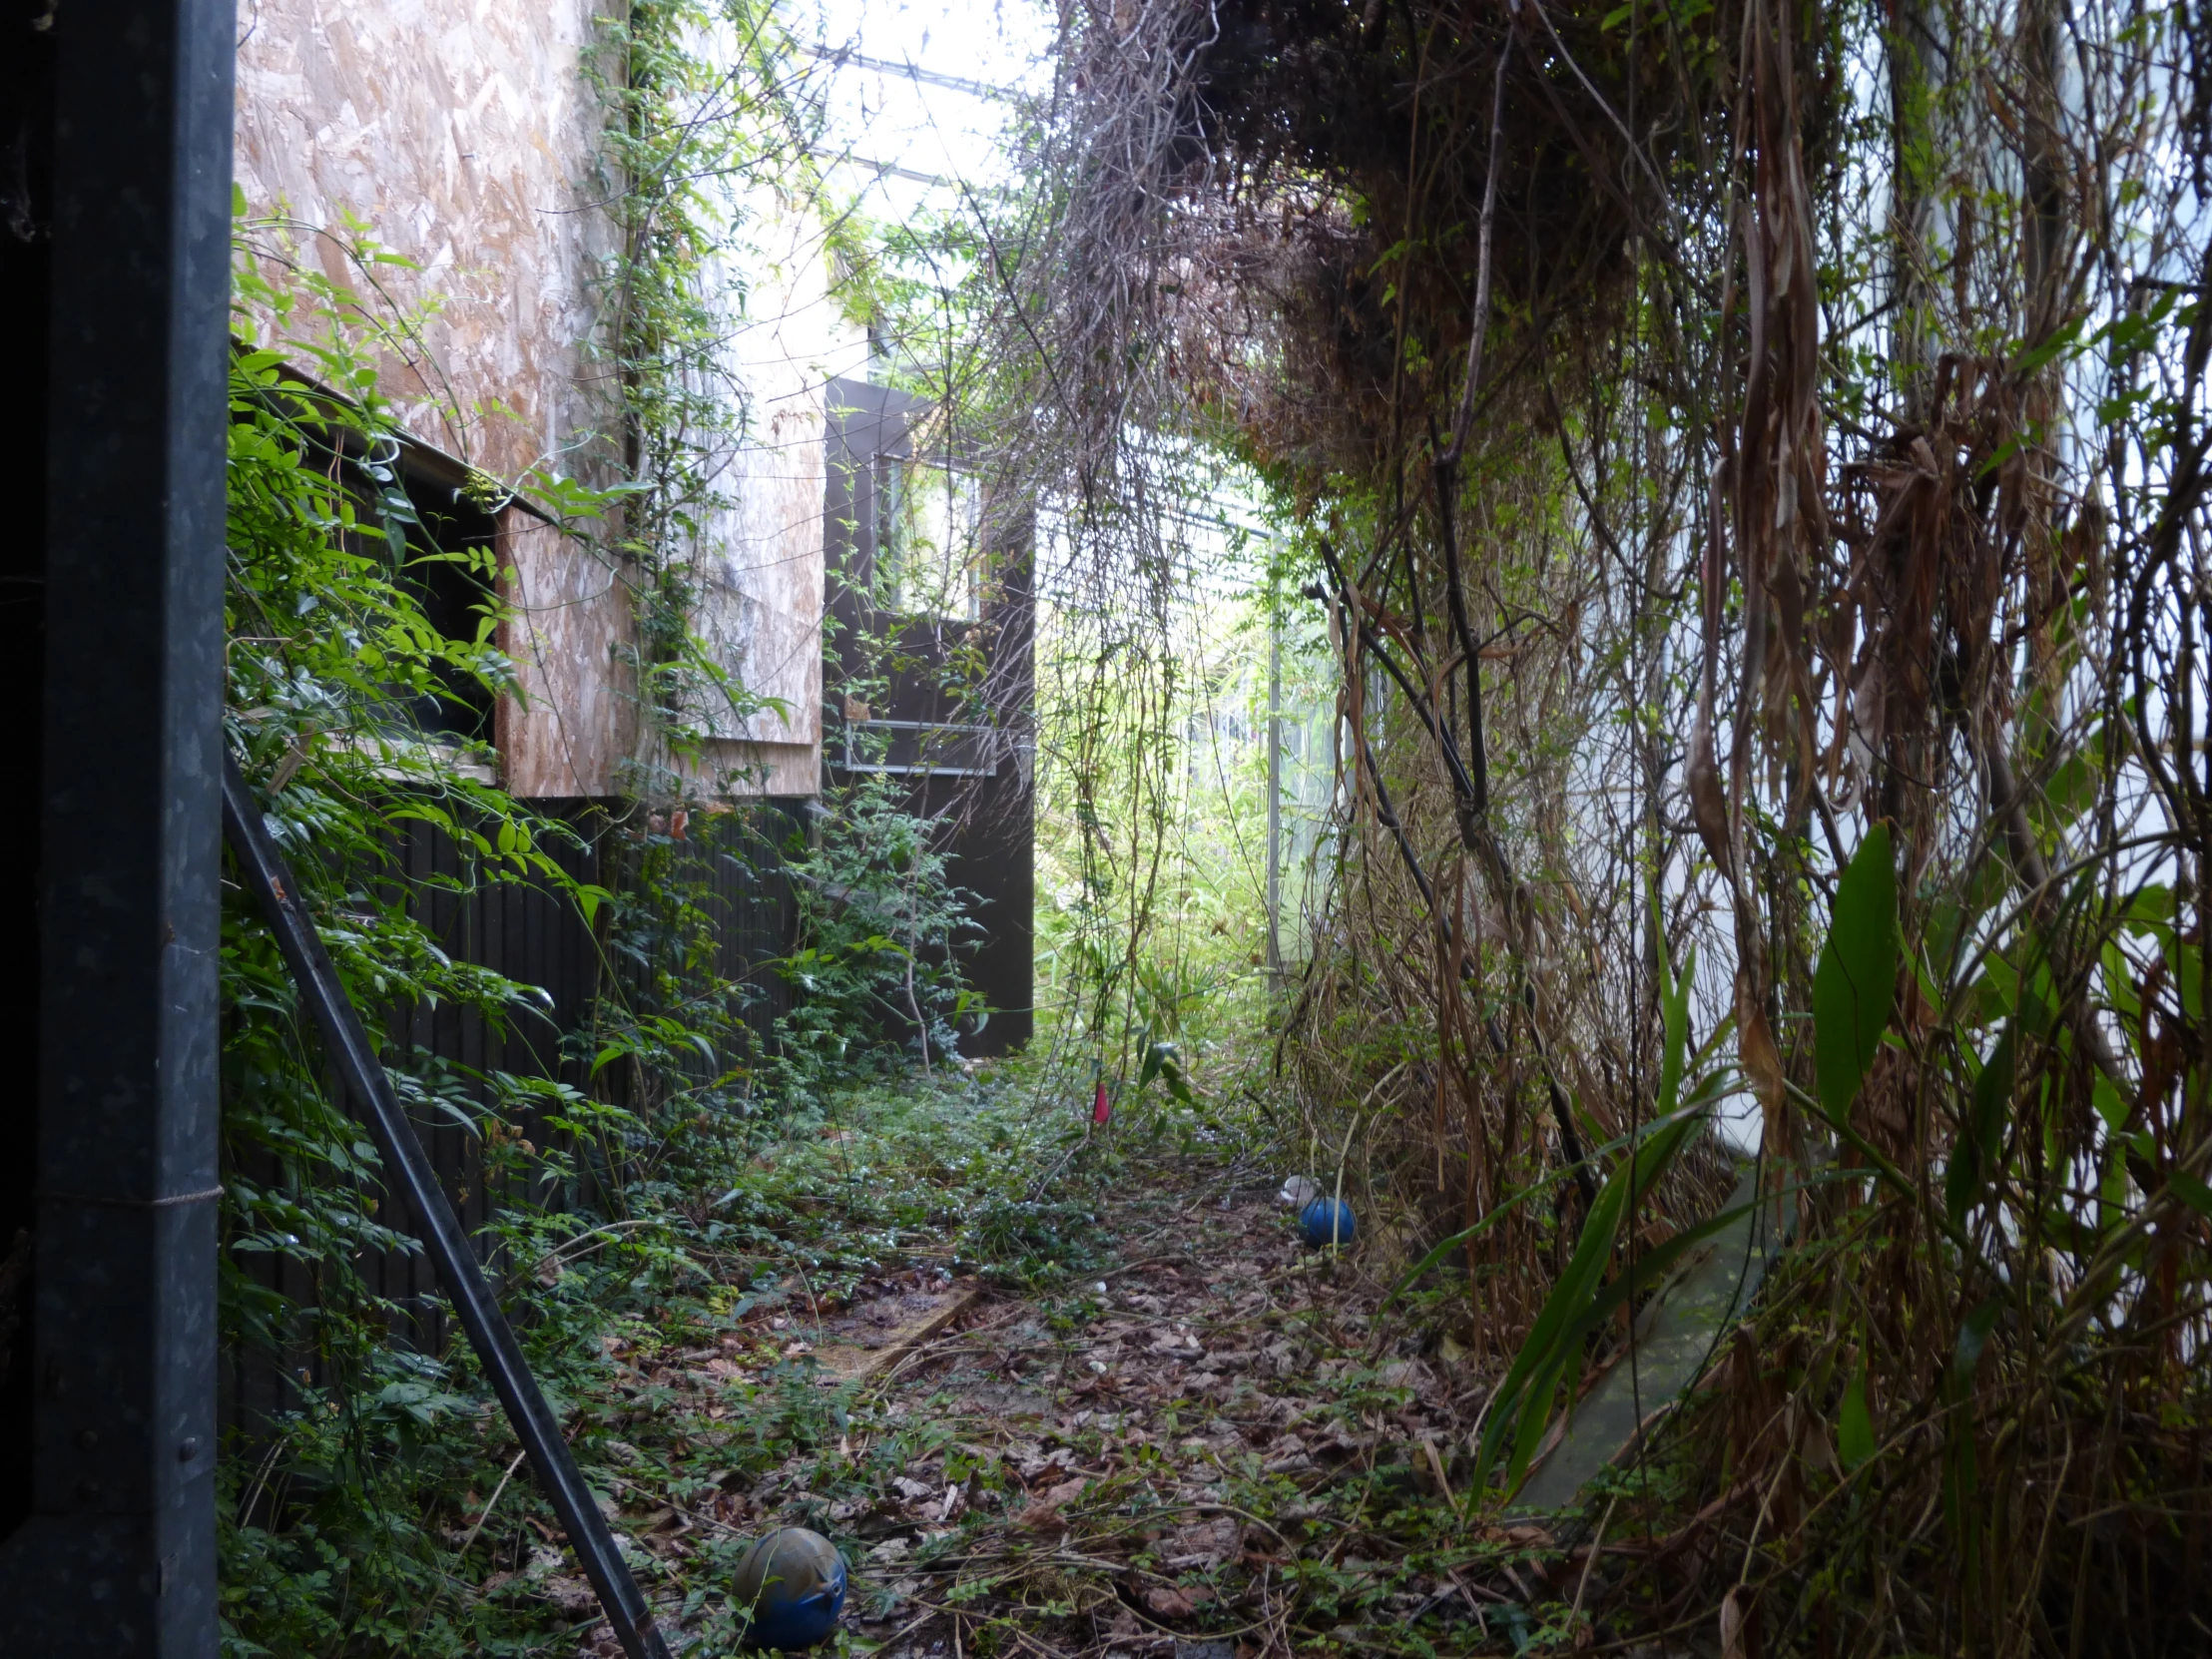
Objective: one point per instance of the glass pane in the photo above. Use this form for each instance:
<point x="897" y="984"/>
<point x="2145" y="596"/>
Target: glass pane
<point x="930" y="519"/>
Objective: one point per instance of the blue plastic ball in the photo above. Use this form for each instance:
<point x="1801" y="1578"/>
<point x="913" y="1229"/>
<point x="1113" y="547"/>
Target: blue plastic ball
<point x="1325" y="1220"/>
<point x="793" y="1583"/>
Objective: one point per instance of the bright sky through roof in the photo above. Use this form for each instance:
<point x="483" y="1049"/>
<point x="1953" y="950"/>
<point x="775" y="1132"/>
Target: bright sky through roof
<point x="946" y="127"/>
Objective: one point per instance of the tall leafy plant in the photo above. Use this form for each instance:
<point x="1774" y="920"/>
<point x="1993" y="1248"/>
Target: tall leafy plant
<point x="330" y="658"/>
<point x="880" y="938"/>
<point x="1855" y="985"/>
<point x="1550" y="1364"/>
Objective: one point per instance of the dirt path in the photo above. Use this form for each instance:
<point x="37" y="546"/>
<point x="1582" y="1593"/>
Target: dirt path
<point x="1198" y="1452"/>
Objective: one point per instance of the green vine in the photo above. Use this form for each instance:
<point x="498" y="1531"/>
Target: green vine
<point x="683" y="133"/>
<point x="331" y="660"/>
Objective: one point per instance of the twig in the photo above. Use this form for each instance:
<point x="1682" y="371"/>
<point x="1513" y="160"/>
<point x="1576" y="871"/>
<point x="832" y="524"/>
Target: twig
<point x="1480" y="322"/>
<point x="1597" y="1546"/>
<point x="484" y="1514"/>
<point x="689" y="1514"/>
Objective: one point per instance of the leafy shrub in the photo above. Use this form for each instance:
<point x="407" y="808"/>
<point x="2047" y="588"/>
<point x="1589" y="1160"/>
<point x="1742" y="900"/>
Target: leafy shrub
<point x="881" y="930"/>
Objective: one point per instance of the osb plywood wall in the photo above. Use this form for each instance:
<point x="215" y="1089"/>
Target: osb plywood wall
<point x="462" y="135"/>
<point x="762" y="556"/>
<point x="568" y="629"/>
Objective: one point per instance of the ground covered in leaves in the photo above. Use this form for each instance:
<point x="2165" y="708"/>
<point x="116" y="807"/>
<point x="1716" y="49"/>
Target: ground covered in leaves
<point x="1174" y="1430"/>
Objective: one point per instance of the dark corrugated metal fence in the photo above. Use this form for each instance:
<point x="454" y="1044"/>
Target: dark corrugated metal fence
<point x="729" y="865"/>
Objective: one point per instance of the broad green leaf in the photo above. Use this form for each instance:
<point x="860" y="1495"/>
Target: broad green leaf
<point x="1992" y="1096"/>
<point x="2109" y="1106"/>
<point x="2072" y="787"/>
<point x="587" y="899"/>
<point x="2120" y="983"/>
<point x="1855" y="985"/>
<point x="1962" y="1180"/>
<point x="1710" y="1091"/>
<point x="1505" y="1208"/>
<point x="2191" y="1192"/>
<point x="2038" y="1004"/>
<point x="1997" y="994"/>
<point x="1676" y="1012"/>
<point x="2112" y="1191"/>
<point x="1160" y="1062"/>
<point x="1552" y="1352"/>
<point x="2150" y="912"/>
<point x="1961" y="1473"/>
<point x="1173" y="1074"/>
<point x="1153" y="1054"/>
<point x="1674" y="1005"/>
<point x="1981" y="1141"/>
<point x="1648" y="1269"/>
<point x="1973" y="1337"/>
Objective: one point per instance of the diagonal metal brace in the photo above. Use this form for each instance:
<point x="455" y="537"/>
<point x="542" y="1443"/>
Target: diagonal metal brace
<point x="354" y="1056"/>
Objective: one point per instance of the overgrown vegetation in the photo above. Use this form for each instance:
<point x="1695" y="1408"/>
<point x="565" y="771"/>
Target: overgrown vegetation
<point x="360" y="1490"/>
<point x="1751" y="455"/>
<point x="880" y="938"/>
<point x="692" y="118"/>
<point x="330" y="657"/>
<point x="681" y="1175"/>
<point x="1744" y="467"/>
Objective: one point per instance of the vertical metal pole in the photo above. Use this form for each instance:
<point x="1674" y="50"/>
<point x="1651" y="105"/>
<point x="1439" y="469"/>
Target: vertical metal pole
<point x="26" y="288"/>
<point x="1275" y="783"/>
<point x="118" y="1557"/>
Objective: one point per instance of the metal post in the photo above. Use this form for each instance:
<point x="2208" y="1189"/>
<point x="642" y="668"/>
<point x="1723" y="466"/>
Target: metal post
<point x="116" y="1558"/>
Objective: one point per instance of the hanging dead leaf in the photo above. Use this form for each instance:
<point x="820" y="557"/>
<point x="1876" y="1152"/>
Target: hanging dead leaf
<point x="1740" y="1625"/>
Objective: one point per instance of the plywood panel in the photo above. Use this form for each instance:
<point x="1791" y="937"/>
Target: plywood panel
<point x="761" y="555"/>
<point x="569" y="633"/>
<point x="460" y="134"/>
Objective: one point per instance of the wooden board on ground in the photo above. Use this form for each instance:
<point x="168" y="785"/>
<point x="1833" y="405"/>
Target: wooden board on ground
<point x="877" y="1334"/>
<point x="1675" y="1335"/>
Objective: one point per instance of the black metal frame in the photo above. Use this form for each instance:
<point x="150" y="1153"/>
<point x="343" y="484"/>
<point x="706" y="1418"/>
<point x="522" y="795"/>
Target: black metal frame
<point x="117" y="1555"/>
<point x="353" y="1056"/>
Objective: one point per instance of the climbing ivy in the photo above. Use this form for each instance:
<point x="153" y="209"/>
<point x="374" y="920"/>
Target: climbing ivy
<point x="694" y="125"/>
<point x="703" y="133"/>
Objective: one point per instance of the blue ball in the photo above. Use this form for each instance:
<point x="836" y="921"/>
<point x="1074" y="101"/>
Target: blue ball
<point x="1326" y="1220"/>
<point x="793" y="1583"/>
